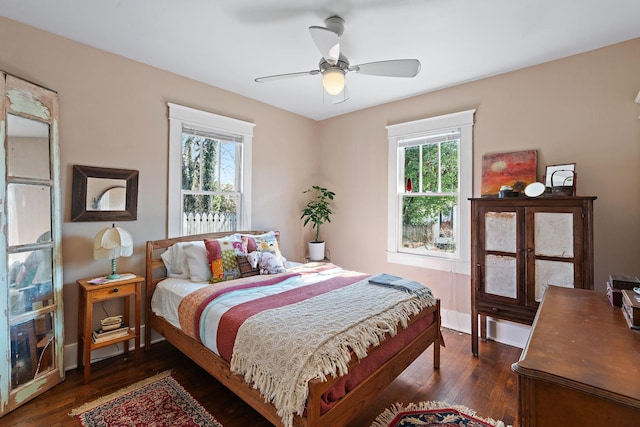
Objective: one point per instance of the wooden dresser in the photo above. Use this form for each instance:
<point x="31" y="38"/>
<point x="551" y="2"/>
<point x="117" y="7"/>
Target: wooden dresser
<point x="581" y="365"/>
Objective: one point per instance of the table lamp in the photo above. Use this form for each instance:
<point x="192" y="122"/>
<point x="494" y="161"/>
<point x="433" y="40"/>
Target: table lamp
<point x="112" y="243"/>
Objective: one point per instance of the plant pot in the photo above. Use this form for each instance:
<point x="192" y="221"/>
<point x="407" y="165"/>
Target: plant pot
<point x="316" y="251"/>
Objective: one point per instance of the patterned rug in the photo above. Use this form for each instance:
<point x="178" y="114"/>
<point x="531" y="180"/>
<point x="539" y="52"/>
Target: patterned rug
<point x="158" y="401"/>
<point x="426" y="414"/>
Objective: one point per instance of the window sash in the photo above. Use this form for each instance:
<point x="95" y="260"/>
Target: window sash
<point x="421" y="172"/>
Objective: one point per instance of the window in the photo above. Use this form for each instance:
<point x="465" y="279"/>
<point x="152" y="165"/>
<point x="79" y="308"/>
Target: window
<point x="209" y="172"/>
<point x="430" y="180"/>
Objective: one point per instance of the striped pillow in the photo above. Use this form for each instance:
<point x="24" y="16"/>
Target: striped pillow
<point x="245" y="268"/>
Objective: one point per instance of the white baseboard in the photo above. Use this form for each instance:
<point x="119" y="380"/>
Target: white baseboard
<point x="71" y="351"/>
<point x="502" y="331"/>
<point x="510" y="333"/>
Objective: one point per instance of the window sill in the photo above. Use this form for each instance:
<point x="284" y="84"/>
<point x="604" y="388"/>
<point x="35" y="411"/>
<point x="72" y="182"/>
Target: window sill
<point x="430" y="262"/>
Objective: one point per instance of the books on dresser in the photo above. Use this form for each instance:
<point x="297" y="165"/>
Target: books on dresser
<point x="101" y="335"/>
<point x="614" y="295"/>
<point x="631" y="308"/>
<point x="619" y="281"/>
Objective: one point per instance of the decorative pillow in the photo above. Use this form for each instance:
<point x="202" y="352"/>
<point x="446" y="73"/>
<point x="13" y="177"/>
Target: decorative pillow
<point x="196" y="255"/>
<point x="245" y="268"/>
<point x="221" y="255"/>
<point x="267" y="242"/>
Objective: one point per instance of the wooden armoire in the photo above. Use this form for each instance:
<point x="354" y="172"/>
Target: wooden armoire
<point x="519" y="246"/>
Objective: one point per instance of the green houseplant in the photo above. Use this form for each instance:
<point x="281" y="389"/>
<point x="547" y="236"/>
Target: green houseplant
<point x="317" y="211"/>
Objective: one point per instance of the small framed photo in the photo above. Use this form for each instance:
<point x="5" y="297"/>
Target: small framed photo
<point x="560" y="180"/>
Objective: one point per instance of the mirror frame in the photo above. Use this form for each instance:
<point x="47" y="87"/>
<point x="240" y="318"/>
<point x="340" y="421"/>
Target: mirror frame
<point x="79" y="210"/>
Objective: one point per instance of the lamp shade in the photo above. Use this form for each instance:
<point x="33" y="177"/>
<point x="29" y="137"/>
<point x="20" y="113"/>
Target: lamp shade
<point x="112" y="243"/>
<point x="333" y="80"/>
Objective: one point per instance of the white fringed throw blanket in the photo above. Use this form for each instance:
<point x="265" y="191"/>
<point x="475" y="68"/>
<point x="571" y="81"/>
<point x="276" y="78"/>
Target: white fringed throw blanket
<point x="280" y="350"/>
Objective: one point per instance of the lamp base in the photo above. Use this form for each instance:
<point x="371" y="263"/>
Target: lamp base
<point x="113" y="274"/>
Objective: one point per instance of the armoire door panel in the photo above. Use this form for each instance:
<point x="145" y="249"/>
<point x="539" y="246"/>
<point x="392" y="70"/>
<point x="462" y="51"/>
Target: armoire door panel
<point x="556" y="273"/>
<point x="553" y="234"/>
<point x="501" y="231"/>
<point x="501" y="276"/>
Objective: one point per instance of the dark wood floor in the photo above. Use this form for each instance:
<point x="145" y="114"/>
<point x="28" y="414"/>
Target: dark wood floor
<point x="485" y="384"/>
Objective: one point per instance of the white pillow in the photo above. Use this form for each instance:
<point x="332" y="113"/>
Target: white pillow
<point x="199" y="270"/>
<point x="175" y="260"/>
<point x="168" y="258"/>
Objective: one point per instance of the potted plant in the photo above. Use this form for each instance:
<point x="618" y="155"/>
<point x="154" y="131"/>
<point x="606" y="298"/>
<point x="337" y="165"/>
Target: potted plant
<point x="317" y="211"/>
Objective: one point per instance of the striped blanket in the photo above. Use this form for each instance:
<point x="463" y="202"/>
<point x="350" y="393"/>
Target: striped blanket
<point x="289" y="328"/>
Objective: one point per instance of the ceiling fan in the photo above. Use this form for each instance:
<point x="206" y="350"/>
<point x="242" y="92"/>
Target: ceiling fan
<point x="334" y="65"/>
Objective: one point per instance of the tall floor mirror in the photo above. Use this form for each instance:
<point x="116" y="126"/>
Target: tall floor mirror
<point x="31" y="316"/>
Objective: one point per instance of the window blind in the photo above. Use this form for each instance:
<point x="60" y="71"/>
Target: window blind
<point x="430" y="139"/>
<point x="218" y="136"/>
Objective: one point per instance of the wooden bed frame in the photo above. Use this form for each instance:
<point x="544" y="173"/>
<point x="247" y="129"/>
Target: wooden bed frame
<point x="338" y="415"/>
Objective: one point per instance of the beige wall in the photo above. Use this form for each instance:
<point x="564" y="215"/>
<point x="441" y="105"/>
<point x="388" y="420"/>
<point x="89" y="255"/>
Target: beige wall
<point x="113" y="114"/>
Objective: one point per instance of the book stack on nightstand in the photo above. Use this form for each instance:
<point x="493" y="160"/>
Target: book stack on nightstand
<point x="616" y="284"/>
<point x="100" y="335"/>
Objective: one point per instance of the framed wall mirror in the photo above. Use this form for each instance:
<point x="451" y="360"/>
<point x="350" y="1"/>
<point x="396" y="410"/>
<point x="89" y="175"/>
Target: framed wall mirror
<point x="104" y="194"/>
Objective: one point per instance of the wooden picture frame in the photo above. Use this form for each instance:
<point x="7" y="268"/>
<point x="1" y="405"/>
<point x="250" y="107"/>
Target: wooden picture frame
<point x="83" y="204"/>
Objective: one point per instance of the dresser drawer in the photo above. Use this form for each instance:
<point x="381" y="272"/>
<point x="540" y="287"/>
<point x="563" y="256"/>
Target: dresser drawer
<point x="112" y="291"/>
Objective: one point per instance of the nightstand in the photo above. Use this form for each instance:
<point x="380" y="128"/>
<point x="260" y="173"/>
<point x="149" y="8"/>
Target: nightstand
<point x="90" y="294"/>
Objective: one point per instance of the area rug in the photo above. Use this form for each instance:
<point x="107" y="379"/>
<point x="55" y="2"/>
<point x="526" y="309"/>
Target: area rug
<point x="159" y="401"/>
<point x="427" y="414"/>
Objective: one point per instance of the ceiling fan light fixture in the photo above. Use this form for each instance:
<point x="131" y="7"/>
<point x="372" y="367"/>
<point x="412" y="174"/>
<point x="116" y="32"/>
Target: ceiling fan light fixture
<point x="333" y="81"/>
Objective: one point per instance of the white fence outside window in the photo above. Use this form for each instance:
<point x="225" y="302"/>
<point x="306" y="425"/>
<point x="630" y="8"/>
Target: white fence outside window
<point x="207" y="222"/>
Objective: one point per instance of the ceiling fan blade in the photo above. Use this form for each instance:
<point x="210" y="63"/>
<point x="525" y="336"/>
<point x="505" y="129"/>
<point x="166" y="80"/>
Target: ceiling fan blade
<point x="286" y="76"/>
<point x="328" y="43"/>
<point x="391" y="68"/>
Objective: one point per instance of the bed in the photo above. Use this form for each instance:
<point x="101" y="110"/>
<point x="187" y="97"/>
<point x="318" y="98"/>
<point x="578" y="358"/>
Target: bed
<point x="331" y="397"/>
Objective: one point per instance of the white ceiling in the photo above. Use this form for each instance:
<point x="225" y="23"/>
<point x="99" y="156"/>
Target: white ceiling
<point x="228" y="43"/>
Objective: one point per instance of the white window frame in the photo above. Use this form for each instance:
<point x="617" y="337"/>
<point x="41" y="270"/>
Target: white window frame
<point x="180" y="116"/>
<point x="396" y="187"/>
